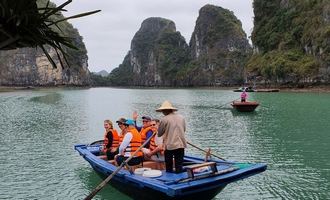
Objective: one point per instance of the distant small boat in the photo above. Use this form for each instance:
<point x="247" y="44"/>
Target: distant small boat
<point x="248" y="106"/>
<point x="247" y="89"/>
<point x="267" y="90"/>
<point x="199" y="180"/>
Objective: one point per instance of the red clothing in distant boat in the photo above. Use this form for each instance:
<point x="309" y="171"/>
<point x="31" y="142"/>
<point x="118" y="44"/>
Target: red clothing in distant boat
<point x="243" y="96"/>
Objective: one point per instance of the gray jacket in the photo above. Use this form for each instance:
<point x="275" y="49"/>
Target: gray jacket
<point x="172" y="127"/>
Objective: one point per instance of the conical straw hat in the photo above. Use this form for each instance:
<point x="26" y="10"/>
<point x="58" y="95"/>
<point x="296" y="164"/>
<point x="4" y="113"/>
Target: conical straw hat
<point x="166" y="106"/>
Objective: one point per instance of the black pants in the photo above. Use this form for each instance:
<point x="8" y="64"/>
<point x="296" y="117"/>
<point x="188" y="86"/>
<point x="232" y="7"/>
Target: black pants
<point x="111" y="155"/>
<point x="133" y="161"/>
<point x="178" y="155"/>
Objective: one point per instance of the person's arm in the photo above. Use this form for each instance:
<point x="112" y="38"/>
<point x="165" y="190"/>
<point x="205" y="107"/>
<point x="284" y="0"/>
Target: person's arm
<point x="126" y="140"/>
<point x="161" y="128"/>
<point x="137" y="127"/>
<point x="135" y="116"/>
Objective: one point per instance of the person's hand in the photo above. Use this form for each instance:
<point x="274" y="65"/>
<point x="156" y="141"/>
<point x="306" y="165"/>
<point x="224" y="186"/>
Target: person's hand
<point x="148" y="154"/>
<point x="134" y="115"/>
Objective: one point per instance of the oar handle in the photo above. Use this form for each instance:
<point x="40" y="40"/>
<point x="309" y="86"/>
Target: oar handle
<point x="205" y="151"/>
<point x="105" y="181"/>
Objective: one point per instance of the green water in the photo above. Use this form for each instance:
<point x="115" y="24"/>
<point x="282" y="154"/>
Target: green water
<point x="289" y="132"/>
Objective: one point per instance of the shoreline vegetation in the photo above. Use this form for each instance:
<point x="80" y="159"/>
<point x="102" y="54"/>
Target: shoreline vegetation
<point x="319" y="88"/>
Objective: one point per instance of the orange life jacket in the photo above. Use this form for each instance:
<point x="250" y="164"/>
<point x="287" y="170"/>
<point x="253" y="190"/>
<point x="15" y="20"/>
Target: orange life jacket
<point x="143" y="133"/>
<point x="115" y="140"/>
<point x="135" y="143"/>
<point x="153" y="145"/>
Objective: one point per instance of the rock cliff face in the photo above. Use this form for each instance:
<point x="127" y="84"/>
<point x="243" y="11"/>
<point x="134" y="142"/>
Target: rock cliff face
<point x="291" y="41"/>
<point x="159" y="55"/>
<point x="30" y="67"/>
<point x="219" y="48"/>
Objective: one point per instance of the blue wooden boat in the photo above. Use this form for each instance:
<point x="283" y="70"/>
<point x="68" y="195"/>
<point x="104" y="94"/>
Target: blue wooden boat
<point x="188" y="185"/>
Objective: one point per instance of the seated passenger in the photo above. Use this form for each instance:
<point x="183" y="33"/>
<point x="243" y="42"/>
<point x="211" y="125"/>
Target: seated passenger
<point x="155" y="152"/>
<point x="131" y="142"/>
<point x="145" y="130"/>
<point x="111" y="140"/>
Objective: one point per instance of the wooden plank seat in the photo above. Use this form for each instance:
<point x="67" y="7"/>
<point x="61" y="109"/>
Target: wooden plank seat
<point x="190" y="168"/>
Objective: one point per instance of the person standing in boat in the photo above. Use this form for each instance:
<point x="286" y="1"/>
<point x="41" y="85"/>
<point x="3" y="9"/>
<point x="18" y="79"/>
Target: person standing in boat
<point x="172" y="127"/>
<point x="111" y="140"/>
<point x="244" y="96"/>
<point x="131" y="142"/>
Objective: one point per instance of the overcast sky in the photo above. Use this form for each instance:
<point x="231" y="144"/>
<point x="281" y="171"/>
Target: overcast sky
<point x="108" y="34"/>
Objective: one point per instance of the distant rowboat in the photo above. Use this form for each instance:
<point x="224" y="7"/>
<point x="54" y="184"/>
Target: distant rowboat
<point x="248" y="106"/>
<point x="246" y="89"/>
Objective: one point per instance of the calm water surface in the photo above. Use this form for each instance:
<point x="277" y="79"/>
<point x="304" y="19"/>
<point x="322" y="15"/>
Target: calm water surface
<point x="289" y="132"/>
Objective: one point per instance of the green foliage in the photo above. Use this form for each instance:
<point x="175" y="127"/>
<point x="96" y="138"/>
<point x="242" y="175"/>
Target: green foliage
<point x="284" y="65"/>
<point x="292" y="37"/>
<point x="172" y="54"/>
<point x="222" y="26"/>
<point x="98" y="80"/>
<point x="122" y="75"/>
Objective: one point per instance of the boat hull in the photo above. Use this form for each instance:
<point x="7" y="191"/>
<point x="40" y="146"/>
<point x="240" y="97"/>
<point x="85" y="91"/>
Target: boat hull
<point x="245" y="106"/>
<point x="171" y="186"/>
<point x="137" y="192"/>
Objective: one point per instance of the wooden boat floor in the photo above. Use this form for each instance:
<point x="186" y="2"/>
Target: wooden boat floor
<point x="168" y="177"/>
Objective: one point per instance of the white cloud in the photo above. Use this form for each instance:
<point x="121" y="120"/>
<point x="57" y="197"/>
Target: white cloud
<point x="108" y="34"/>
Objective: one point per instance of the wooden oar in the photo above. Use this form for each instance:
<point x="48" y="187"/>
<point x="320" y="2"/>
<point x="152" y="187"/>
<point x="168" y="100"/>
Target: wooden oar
<point x="105" y="181"/>
<point x="227" y="103"/>
<point x="205" y="151"/>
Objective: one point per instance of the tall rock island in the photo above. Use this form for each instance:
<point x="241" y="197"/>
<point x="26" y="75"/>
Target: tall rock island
<point x="160" y="56"/>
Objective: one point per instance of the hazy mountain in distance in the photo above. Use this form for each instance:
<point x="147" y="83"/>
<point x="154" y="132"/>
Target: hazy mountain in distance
<point x="102" y="73"/>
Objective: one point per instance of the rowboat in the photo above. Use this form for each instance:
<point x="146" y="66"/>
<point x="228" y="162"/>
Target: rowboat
<point x="247" y="106"/>
<point x="199" y="180"/>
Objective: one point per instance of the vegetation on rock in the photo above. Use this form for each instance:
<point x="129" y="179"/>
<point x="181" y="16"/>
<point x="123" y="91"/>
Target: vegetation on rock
<point x="292" y="41"/>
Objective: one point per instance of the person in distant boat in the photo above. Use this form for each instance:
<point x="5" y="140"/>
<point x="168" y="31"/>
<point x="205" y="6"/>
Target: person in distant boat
<point x="172" y="127"/>
<point x="131" y="142"/>
<point x="111" y="140"/>
<point x="145" y="130"/>
<point x="155" y="151"/>
<point x="244" y="96"/>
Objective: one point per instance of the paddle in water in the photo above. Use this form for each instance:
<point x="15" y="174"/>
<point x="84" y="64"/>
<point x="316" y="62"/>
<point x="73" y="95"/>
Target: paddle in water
<point x="105" y="181"/>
